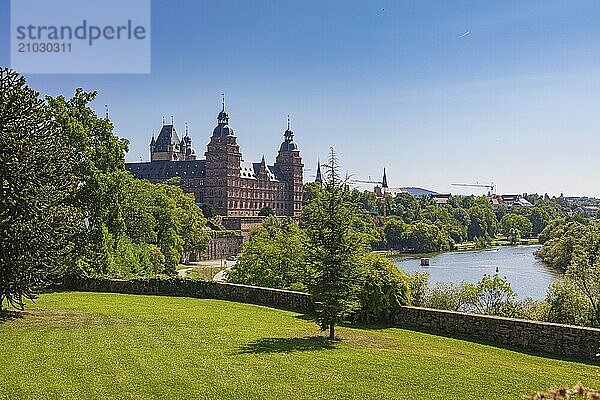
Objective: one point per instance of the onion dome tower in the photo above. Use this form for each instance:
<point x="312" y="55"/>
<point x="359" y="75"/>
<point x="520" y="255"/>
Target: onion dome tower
<point x="290" y="164"/>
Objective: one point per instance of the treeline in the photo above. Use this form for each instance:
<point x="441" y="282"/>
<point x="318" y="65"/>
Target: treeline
<point x="67" y="205"/>
<point x="418" y="225"/>
<point x="573" y="245"/>
<point x="278" y="255"/>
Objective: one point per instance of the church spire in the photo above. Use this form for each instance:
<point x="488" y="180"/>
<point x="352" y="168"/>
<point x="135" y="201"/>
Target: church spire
<point x="319" y="177"/>
<point x="384" y="183"/>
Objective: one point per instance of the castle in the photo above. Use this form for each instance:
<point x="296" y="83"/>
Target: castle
<point x="237" y="189"/>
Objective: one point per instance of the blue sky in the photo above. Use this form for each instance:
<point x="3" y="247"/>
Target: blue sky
<point x="387" y="83"/>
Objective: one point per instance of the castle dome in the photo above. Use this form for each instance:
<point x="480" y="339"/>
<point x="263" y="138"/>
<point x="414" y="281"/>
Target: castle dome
<point x="223" y="128"/>
<point x="288" y="142"/>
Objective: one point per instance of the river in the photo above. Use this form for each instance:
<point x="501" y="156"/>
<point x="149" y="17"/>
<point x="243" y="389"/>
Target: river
<point x="529" y="277"/>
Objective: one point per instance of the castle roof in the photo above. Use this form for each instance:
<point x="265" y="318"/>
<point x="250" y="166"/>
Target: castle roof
<point x="167" y="137"/>
<point x="165" y="169"/>
<point x="250" y="170"/>
<point x="288" y="142"/>
<point x="223" y="128"/>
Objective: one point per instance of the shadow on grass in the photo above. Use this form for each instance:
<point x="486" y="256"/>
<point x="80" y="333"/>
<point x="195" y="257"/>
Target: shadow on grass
<point x="306" y="316"/>
<point x="9" y="315"/>
<point x="287" y="345"/>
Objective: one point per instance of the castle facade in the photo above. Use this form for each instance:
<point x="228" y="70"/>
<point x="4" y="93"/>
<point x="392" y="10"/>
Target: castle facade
<point x="234" y="187"/>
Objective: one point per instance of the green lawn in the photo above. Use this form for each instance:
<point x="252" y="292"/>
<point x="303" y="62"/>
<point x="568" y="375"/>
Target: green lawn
<point x="91" y="345"/>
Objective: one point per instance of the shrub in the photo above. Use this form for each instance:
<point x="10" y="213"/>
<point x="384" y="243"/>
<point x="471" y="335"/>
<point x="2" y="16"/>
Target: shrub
<point x="384" y="288"/>
<point x="446" y="296"/>
<point x="419" y="285"/>
<point x="567" y="304"/>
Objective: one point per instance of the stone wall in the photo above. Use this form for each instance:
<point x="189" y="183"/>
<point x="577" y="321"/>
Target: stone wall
<point x="196" y="288"/>
<point x="545" y="337"/>
<point x="565" y="340"/>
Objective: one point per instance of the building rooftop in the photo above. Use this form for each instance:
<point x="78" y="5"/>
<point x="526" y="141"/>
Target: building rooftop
<point x="167" y="169"/>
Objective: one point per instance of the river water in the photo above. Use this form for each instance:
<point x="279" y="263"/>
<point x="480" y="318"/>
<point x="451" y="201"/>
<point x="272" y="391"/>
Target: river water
<point x="529" y="277"/>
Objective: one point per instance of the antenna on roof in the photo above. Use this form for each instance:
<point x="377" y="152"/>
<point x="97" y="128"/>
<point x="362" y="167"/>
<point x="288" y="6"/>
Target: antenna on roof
<point x="163" y="119"/>
<point x="288" y="128"/>
<point x="223" y="100"/>
<point x="172" y="120"/>
<point x="106" y="111"/>
<point x="186" y="129"/>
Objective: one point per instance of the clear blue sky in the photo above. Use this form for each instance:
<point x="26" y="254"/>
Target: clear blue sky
<point x="387" y="83"/>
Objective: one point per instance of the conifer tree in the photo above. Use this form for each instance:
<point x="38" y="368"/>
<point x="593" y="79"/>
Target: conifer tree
<point x="37" y="223"/>
<point x="334" y="250"/>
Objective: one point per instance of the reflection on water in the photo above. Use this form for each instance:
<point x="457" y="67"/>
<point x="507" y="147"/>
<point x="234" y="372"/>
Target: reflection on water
<point x="528" y="276"/>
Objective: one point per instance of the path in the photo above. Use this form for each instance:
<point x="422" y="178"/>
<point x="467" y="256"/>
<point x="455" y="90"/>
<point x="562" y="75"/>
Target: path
<point x="221" y="276"/>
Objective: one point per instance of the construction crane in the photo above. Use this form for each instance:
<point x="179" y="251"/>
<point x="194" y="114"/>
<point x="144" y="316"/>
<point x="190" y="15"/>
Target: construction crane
<point x="491" y="186"/>
<point x="366" y="181"/>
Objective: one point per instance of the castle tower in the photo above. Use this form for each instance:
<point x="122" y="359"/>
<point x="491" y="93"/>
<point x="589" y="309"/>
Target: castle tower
<point x="167" y="145"/>
<point x="223" y="160"/>
<point x="290" y="164"/>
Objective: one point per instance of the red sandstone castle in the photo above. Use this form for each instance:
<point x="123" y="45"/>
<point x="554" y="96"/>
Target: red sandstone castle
<point x="234" y="187"/>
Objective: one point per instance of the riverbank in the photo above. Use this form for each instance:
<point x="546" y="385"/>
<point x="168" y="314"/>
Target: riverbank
<point x="528" y="275"/>
<point x="465" y="246"/>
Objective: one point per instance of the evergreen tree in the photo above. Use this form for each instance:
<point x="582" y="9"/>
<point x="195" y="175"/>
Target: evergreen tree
<point x="334" y="250"/>
<point x="37" y="223"/>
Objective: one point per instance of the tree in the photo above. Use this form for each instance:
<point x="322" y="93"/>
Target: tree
<point x="483" y="221"/>
<point x="266" y="211"/>
<point x="334" y="250"/>
<point x="395" y="231"/>
<point x="424" y="237"/>
<point x="384" y="288"/>
<point x="38" y="225"/>
<point x="567" y="304"/>
<point x="100" y="170"/>
<point x="491" y="295"/>
<point x="208" y="210"/>
<point x="584" y="271"/>
<point x="515" y="226"/>
<point x="273" y="257"/>
<point x="128" y="219"/>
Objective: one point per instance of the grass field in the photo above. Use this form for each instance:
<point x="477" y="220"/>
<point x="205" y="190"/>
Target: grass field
<point x="92" y="345"/>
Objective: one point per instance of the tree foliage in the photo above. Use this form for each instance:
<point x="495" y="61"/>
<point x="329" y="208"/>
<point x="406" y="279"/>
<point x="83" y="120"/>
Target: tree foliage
<point x="38" y="225"/>
<point x="67" y="204"/>
<point x="383" y="289"/>
<point x="273" y="257"/>
<point x="515" y="226"/>
<point x="334" y="250"/>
